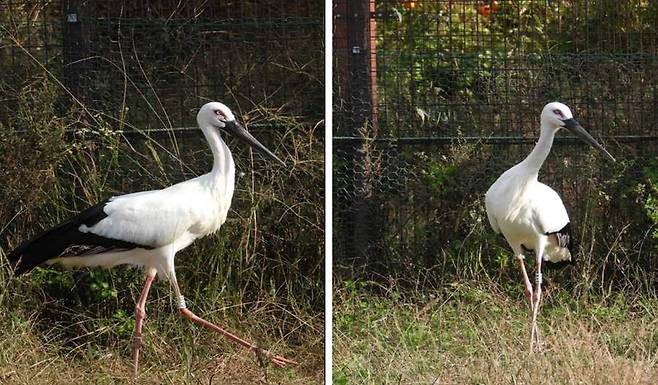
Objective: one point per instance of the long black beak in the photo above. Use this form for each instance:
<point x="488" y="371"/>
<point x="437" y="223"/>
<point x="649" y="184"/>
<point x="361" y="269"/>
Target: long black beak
<point x="234" y="128"/>
<point x="575" y="127"/>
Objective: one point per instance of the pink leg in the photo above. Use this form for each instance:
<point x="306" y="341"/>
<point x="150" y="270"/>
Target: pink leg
<point x="140" y="314"/>
<point x="535" y="307"/>
<point x="526" y="280"/>
<point x="529" y="294"/>
<point x="277" y="360"/>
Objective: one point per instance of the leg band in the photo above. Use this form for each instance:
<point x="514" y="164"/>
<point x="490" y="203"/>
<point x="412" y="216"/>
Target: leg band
<point x="181" y="303"/>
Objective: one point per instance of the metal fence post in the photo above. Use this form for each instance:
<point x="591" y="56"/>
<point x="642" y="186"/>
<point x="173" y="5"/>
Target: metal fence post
<point x="72" y="48"/>
<point x="355" y="35"/>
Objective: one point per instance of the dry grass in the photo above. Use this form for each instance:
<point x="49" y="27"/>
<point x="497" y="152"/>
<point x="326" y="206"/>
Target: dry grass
<point x="175" y="352"/>
<point x="472" y="334"/>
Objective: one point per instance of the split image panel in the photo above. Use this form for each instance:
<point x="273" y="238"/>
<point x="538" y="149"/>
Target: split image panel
<point x="491" y="167"/>
<point x="129" y="134"/>
<point x="433" y="102"/>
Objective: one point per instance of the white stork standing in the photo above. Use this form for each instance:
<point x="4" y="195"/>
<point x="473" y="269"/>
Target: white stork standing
<point x="530" y="214"/>
<point x="148" y="228"/>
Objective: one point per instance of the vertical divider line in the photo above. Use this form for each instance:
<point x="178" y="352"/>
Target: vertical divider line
<point x="328" y="188"/>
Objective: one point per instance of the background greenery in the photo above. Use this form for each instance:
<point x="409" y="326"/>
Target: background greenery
<point x="459" y="93"/>
<point x="425" y="291"/>
<point x="108" y="107"/>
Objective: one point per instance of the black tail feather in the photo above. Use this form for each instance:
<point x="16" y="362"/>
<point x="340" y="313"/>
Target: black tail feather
<point x="66" y="240"/>
<point x="565" y="240"/>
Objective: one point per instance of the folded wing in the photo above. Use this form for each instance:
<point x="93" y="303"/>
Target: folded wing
<point x="142" y="220"/>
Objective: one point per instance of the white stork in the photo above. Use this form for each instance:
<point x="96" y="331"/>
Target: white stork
<point x="530" y="214"/>
<point x="148" y="228"/>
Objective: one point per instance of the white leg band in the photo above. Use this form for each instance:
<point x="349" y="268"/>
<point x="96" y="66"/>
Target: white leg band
<point x="181" y="302"/>
<point x="538" y="278"/>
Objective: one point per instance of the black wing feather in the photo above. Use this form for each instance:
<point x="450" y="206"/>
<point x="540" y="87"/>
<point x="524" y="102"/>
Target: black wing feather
<point x="66" y="240"/>
<point x="564" y="239"/>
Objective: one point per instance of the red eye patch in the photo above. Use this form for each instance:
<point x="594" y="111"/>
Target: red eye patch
<point x="219" y="113"/>
<point x="559" y="113"/>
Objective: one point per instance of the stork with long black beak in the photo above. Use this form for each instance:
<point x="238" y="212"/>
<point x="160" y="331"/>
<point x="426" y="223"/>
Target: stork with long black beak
<point x="148" y="228"/>
<point x="530" y="214"/>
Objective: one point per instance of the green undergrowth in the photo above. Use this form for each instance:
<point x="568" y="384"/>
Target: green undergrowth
<point x="471" y="332"/>
<point x="260" y="275"/>
<point x="49" y="339"/>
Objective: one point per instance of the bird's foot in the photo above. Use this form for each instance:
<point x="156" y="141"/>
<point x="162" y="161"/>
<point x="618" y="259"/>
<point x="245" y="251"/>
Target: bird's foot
<point x="538" y="342"/>
<point x="278" y="361"/>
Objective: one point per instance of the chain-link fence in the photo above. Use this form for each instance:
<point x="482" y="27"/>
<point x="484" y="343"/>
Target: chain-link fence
<point x="435" y="99"/>
<point x="164" y="58"/>
<point x="100" y="98"/>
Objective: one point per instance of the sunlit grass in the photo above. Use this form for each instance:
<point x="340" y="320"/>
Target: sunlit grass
<point x="470" y="333"/>
<point x="79" y="348"/>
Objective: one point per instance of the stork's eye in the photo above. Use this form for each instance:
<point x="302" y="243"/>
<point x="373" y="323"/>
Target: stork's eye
<point x="558" y="113"/>
<point x="219" y="114"/>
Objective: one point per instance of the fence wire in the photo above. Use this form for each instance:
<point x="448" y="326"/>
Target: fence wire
<point x="435" y="99"/>
<point x="128" y="79"/>
<point x="147" y="67"/>
<point x="164" y="58"/>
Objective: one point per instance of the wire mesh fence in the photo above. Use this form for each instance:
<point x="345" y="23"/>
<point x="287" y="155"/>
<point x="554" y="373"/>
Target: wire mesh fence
<point x="100" y="98"/>
<point x="435" y="99"/>
<point x="164" y="57"/>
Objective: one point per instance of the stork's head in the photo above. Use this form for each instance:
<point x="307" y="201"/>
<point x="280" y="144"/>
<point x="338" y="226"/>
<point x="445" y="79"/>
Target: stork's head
<point x="556" y="115"/>
<point x="214" y="114"/>
<point x="217" y="115"/>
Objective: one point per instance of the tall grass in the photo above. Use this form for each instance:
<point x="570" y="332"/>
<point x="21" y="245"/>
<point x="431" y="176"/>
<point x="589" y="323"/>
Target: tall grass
<point x="477" y="333"/>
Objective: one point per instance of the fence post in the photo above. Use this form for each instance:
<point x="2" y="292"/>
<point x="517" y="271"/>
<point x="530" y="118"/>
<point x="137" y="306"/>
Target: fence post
<point x="355" y="35"/>
<point x="356" y="32"/>
<point x="72" y="47"/>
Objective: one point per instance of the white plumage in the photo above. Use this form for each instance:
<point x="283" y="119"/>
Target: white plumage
<point x="148" y="228"/>
<point x="167" y="220"/>
<point x="525" y="211"/>
<point x="531" y="215"/>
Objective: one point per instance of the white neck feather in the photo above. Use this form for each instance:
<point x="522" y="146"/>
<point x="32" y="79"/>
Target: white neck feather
<point x="220" y="182"/>
<point x="222" y="165"/>
<point x="533" y="162"/>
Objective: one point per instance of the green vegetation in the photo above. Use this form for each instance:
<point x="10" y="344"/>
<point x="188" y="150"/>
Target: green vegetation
<point x="447" y="68"/>
<point x="468" y="86"/>
<point x="649" y="189"/>
<point x="260" y="275"/>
